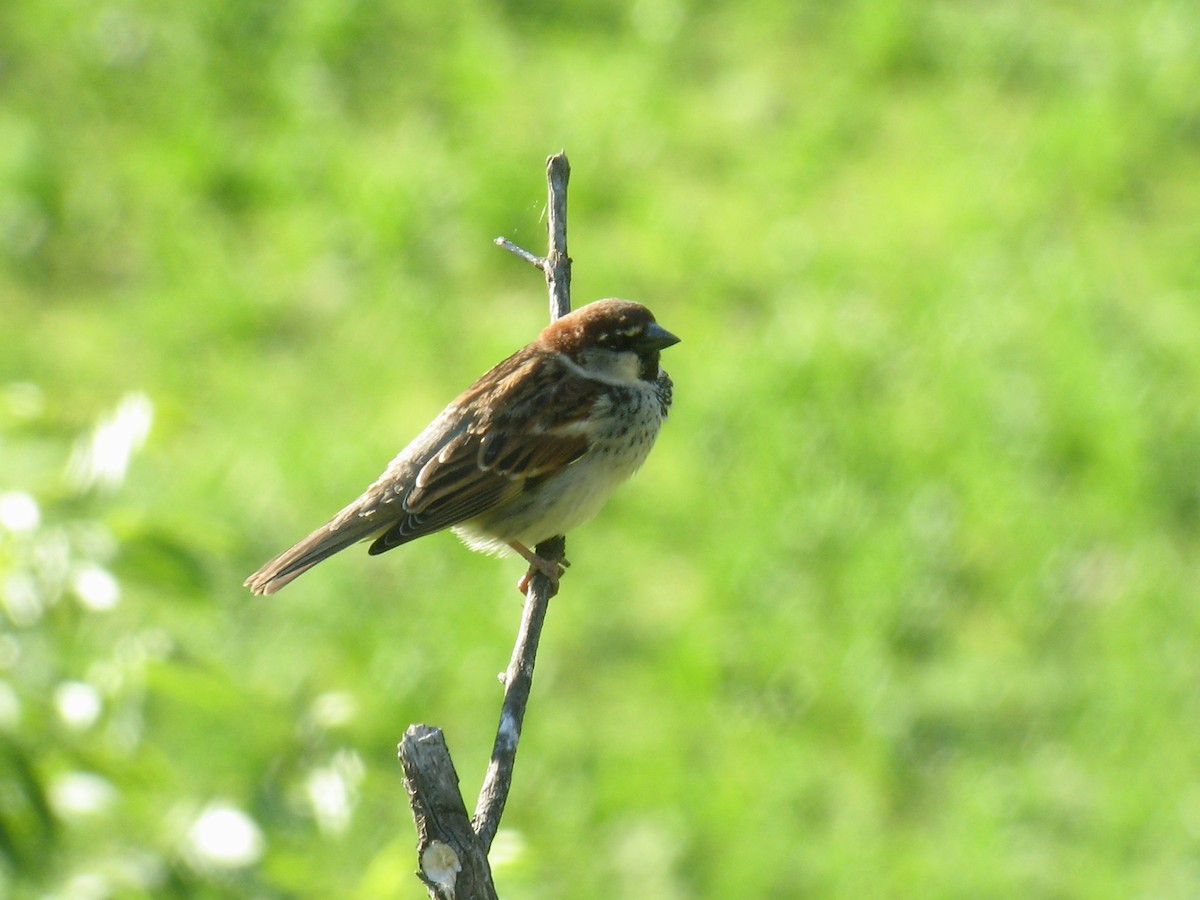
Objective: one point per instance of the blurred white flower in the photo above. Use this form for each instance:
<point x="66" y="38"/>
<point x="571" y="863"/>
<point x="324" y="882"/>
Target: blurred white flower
<point x="333" y="791"/>
<point x="78" y="704"/>
<point x="10" y="707"/>
<point x="224" y="837"/>
<point x="101" y="458"/>
<point x="77" y="794"/>
<point x="96" y="588"/>
<point x="19" y="512"/>
<point x="86" y="886"/>
<point x="21" y="599"/>
<point x="334" y="708"/>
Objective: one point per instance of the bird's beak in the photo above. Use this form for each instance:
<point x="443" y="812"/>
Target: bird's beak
<point x="657" y="337"/>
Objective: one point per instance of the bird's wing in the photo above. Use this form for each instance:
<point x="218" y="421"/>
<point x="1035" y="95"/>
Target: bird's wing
<point x="523" y="421"/>
<point x="534" y="425"/>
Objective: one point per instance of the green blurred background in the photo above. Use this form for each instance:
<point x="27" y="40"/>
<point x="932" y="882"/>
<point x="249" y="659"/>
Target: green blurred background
<point x="905" y="602"/>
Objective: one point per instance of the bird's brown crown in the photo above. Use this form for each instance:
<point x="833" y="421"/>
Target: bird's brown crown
<point x="612" y="324"/>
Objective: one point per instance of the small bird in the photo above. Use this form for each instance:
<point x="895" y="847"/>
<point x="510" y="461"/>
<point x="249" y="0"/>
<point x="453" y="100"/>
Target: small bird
<point x="528" y="452"/>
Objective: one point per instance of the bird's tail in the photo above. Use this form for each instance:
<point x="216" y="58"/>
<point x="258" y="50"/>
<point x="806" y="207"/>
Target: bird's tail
<point x="330" y="538"/>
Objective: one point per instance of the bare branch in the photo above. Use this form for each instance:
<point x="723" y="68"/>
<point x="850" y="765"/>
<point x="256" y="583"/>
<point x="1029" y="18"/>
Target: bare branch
<point x="452" y="851"/>
<point x="558" y="263"/>
<point x="453" y="861"/>
<point x="518" y="680"/>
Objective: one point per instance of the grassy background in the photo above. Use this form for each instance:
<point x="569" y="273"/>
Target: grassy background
<point x="905" y="602"/>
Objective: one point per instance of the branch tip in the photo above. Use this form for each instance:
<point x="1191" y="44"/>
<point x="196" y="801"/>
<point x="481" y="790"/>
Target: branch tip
<point x="536" y="261"/>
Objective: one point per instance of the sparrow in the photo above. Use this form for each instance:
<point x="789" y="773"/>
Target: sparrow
<point x="528" y="452"/>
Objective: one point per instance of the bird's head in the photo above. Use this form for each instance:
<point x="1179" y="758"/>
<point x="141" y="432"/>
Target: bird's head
<point x="617" y="340"/>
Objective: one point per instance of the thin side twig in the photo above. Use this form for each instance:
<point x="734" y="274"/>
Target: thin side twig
<point x="537" y="262"/>
<point x="556" y="264"/>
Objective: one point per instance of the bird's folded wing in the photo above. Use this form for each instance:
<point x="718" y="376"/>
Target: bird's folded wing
<point x="500" y="450"/>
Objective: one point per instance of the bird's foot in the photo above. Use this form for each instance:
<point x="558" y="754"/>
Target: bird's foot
<point x="539" y="565"/>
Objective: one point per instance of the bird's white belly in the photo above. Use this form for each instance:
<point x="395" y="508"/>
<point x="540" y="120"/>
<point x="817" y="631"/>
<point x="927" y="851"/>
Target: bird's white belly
<point x="567" y="500"/>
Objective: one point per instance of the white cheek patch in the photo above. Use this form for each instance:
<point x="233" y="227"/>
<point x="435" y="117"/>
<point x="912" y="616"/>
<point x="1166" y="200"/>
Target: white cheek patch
<point x="612" y="366"/>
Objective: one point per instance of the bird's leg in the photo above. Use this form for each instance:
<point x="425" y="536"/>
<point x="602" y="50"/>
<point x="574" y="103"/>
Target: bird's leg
<point x="552" y="570"/>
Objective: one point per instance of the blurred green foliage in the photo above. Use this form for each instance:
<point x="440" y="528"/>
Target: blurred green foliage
<point x="904" y="604"/>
